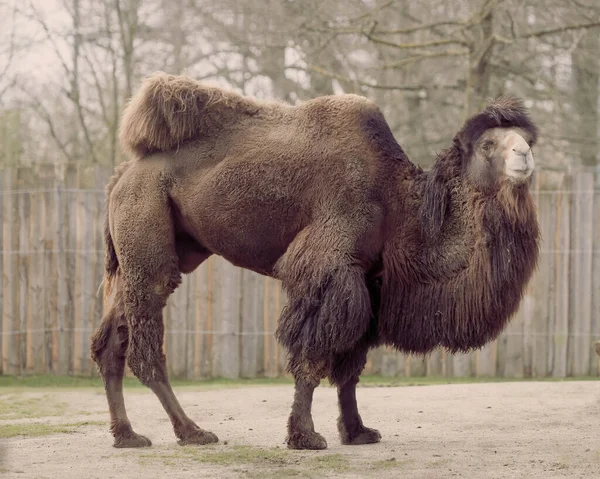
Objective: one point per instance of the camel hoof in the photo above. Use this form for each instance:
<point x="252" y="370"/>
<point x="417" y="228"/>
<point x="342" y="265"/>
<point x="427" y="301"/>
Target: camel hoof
<point x="134" y="440"/>
<point x="365" y="435"/>
<point x="306" y="440"/>
<point x="199" y="437"/>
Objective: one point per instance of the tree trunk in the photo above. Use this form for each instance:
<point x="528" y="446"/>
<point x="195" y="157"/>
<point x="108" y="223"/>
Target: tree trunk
<point x="586" y="73"/>
<point x="479" y="73"/>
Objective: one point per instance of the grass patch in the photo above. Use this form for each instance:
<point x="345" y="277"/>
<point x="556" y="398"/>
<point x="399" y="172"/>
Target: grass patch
<point x="36" y="430"/>
<point x="331" y="462"/>
<point x="283" y="473"/>
<point x="16" y="407"/>
<point x="228" y="456"/>
<point x="272" y="462"/>
<point x="391" y="463"/>
<point x="74" y="382"/>
<point x="238" y="455"/>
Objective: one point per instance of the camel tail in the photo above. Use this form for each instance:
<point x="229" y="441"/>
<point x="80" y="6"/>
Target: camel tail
<point x="111" y="262"/>
<point x="168" y="110"/>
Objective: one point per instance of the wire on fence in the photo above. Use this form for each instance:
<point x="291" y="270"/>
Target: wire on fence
<point x="270" y="333"/>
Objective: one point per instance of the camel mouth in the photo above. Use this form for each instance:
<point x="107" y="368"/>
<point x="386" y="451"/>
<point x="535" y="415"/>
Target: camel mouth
<point x="519" y="174"/>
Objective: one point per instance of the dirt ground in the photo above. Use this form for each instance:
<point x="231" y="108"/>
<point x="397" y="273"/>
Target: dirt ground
<point x="495" y="430"/>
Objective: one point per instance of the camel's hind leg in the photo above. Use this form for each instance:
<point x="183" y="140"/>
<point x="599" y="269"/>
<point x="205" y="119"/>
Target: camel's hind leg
<point x="144" y="238"/>
<point x="108" y="350"/>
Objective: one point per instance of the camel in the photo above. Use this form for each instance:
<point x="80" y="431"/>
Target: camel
<point x="370" y="248"/>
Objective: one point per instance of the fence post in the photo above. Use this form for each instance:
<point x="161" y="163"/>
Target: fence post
<point x="10" y="309"/>
<point x="581" y="275"/>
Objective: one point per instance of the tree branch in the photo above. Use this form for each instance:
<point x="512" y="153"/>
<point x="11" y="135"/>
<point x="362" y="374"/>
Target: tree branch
<point x="563" y="29"/>
<point x="377" y="86"/>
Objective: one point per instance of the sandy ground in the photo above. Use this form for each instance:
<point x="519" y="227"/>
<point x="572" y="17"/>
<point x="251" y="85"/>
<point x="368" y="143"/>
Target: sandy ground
<point x="533" y="430"/>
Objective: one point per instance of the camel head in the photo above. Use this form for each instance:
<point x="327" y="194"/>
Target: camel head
<point x="492" y="151"/>
<point x="496" y="146"/>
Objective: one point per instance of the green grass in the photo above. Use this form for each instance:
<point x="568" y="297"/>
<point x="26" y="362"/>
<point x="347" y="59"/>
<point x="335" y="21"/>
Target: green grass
<point x="36" y="429"/>
<point x="74" y="382"/>
<point x="238" y="455"/>
<point x="16" y="407"/>
<point x="272" y="462"/>
<point x="330" y="462"/>
<point x="223" y="456"/>
<point x="391" y="463"/>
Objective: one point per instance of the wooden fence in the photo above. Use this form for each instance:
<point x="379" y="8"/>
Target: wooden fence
<point x="221" y="321"/>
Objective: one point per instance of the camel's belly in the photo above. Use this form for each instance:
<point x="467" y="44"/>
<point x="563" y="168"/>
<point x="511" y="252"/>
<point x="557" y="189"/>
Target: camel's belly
<point x="251" y="235"/>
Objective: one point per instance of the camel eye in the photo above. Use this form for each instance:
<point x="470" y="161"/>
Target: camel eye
<point x="487" y="146"/>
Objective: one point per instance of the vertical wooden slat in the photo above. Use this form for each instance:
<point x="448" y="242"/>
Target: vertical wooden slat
<point x="82" y="282"/>
<point x="562" y="257"/>
<point x="37" y="321"/>
<point x="461" y="365"/>
<point x="266" y="325"/>
<point x="24" y="265"/>
<point x="251" y="323"/>
<point x="175" y="329"/>
<point x="434" y="363"/>
<point x="595" y="324"/>
<point x="50" y="277"/>
<point x="200" y="309"/>
<point x="543" y="318"/>
<point x="3" y="194"/>
<point x="513" y="350"/>
<point x="527" y="311"/>
<point x="71" y="183"/>
<point x="99" y="176"/>
<point x="210" y="298"/>
<point x="229" y="320"/>
<point x="387" y="362"/>
<point x="486" y="360"/>
<point x="581" y="275"/>
<point x="62" y="300"/>
<point x="274" y="313"/>
<point x="373" y="365"/>
<point x="190" y="326"/>
<point x="418" y="365"/>
<point x="10" y="310"/>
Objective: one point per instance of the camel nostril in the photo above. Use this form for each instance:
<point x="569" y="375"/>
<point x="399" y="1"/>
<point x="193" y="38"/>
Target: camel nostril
<point x="520" y="153"/>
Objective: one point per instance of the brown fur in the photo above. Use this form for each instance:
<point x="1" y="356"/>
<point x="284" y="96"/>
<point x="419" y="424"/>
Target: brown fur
<point x="369" y="248"/>
<point x="167" y="110"/>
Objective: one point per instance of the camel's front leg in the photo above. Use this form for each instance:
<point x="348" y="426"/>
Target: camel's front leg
<point x="345" y="373"/>
<point x="301" y="430"/>
<point x="350" y="426"/>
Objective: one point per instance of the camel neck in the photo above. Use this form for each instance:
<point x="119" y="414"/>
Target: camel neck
<point x="459" y="289"/>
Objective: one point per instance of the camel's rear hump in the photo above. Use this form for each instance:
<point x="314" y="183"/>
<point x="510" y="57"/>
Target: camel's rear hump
<point x="168" y="109"/>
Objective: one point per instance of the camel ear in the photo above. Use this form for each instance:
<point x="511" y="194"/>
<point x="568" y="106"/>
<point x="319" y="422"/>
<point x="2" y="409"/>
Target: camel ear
<point x="462" y="143"/>
<point x="435" y="204"/>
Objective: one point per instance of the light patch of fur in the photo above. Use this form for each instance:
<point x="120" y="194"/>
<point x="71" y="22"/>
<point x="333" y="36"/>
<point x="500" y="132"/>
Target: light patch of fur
<point x="168" y="110"/>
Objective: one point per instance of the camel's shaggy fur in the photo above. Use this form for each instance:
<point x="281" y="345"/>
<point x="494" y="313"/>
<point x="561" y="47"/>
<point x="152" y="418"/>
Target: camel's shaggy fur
<point x="168" y="110"/>
<point x="370" y="248"/>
